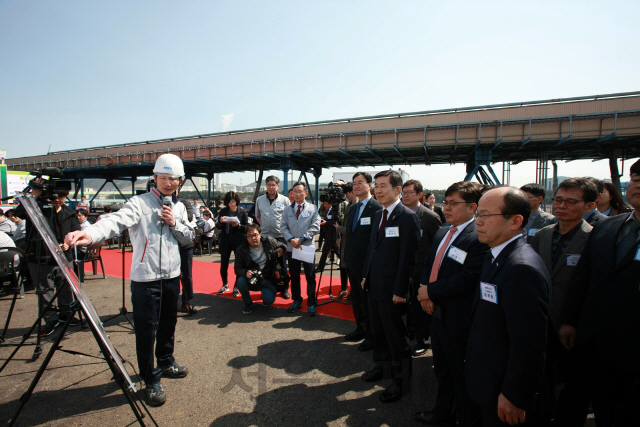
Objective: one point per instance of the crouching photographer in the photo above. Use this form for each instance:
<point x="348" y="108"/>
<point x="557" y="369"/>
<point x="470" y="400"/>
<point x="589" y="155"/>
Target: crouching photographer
<point x="257" y="267"/>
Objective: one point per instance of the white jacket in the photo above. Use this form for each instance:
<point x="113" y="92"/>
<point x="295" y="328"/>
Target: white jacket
<point x="156" y="246"/>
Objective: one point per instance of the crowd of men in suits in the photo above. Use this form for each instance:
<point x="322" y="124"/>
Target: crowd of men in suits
<point x="514" y="299"/>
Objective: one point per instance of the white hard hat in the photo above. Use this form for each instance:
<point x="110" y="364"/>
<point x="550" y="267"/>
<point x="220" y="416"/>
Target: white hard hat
<point x="169" y="165"/>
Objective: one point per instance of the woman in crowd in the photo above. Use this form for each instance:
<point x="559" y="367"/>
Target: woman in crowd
<point x="431" y="204"/>
<point x="232" y="220"/>
<point x="611" y="202"/>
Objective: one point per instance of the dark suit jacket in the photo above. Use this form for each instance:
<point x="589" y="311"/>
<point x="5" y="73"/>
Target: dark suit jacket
<point x="429" y="224"/>
<point x="236" y="235"/>
<point x="561" y="276"/>
<point x="507" y="343"/>
<point x="389" y="263"/>
<point x="603" y="300"/>
<point x="539" y="223"/>
<point x="357" y="242"/>
<point x="596" y="217"/>
<point x="455" y="288"/>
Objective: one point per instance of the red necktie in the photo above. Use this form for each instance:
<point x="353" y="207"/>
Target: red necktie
<point x="382" y="223"/>
<point x="298" y="213"/>
<point x="436" y="263"/>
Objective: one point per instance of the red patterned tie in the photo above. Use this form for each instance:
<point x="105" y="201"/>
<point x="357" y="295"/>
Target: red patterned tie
<point x="382" y="223"/>
<point x="298" y="213"/>
<point x="436" y="262"/>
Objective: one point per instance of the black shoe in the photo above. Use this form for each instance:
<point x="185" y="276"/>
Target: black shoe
<point x="318" y="271"/>
<point x="285" y="294"/>
<point x="391" y="394"/>
<point x="427" y="417"/>
<point x="372" y="376"/>
<point x="174" y="371"/>
<point x="155" y="394"/>
<point x="418" y="351"/>
<point x="188" y="308"/>
<point x="48" y="328"/>
<point x="356" y="335"/>
<point x="365" y="346"/>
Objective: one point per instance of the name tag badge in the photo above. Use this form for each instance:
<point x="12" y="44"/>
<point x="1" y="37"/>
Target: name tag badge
<point x="637" y="257"/>
<point x="457" y="255"/>
<point x="572" y="260"/>
<point x="306" y="214"/>
<point x="489" y="292"/>
<point x="533" y="232"/>
<point x="279" y="205"/>
<point x="392" y="232"/>
<point x="365" y="221"/>
<point x="421" y="233"/>
<point x="328" y="216"/>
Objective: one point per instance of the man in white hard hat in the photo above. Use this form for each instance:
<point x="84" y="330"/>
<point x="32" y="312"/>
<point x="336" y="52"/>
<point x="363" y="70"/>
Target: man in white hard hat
<point x="157" y="224"/>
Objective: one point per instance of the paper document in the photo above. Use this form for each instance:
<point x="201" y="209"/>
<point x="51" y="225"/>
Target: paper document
<point x="231" y="219"/>
<point x="306" y="254"/>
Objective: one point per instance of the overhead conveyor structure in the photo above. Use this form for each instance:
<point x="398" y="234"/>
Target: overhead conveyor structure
<point x="588" y="127"/>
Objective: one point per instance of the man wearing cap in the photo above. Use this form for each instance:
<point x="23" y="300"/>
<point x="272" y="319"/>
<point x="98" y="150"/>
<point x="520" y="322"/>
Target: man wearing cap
<point x="157" y="223"/>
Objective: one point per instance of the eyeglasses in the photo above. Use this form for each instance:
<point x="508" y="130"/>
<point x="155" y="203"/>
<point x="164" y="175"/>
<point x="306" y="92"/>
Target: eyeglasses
<point x="569" y="202"/>
<point x="409" y="192"/>
<point x="298" y="192"/>
<point x="253" y="235"/>
<point x="452" y="203"/>
<point x="358" y="183"/>
<point x="483" y="217"/>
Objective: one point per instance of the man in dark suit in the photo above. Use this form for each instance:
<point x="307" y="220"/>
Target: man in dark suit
<point x="450" y="275"/>
<point x="560" y="246"/>
<point x="387" y="276"/>
<point x="601" y="312"/>
<point x="507" y="343"/>
<point x="430" y="222"/>
<point x="537" y="218"/>
<point x="593" y="216"/>
<point x="358" y="233"/>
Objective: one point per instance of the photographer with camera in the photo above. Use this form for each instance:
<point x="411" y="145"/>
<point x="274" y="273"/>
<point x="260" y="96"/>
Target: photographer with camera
<point x="257" y="267"/>
<point x="50" y="197"/>
<point x="157" y="223"/>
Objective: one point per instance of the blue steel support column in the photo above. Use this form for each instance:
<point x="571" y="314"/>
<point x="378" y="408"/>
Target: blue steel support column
<point x="317" y="172"/>
<point x="209" y="178"/>
<point x="285" y="166"/>
<point x="482" y="158"/>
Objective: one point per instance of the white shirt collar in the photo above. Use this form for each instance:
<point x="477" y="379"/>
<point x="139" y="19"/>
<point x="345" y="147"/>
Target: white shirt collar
<point x="496" y="251"/>
<point x="392" y="207"/>
<point x="462" y="226"/>
<point x="365" y="201"/>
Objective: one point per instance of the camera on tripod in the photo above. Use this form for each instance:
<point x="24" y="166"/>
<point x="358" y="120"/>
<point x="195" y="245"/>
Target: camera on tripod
<point x="333" y="194"/>
<point x="256" y="277"/>
<point x="50" y="186"/>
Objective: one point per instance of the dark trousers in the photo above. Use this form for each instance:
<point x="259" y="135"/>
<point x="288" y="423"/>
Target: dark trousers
<point x="360" y="304"/>
<point x="155" y="309"/>
<point x="391" y="348"/>
<point x="224" y="264"/>
<point x="453" y="403"/>
<point x="418" y="319"/>
<point x="330" y="245"/>
<point x="46" y="279"/>
<point x="186" y="264"/>
<point x="571" y="407"/>
<point x="344" y="278"/>
<point x="266" y="288"/>
<point x="615" y="392"/>
<point x="294" y="270"/>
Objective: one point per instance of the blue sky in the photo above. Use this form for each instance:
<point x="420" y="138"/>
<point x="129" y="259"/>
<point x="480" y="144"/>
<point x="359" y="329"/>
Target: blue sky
<point x="89" y="73"/>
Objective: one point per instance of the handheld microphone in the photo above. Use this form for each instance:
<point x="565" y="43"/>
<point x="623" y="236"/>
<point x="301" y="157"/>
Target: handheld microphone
<point x="167" y="201"/>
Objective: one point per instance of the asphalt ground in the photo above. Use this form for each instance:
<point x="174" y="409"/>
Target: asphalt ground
<point x="269" y="368"/>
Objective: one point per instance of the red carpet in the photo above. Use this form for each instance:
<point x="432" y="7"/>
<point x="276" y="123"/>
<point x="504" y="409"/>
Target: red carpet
<point x="206" y="280"/>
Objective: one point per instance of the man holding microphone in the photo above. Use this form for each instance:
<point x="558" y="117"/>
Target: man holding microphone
<point x="157" y="224"/>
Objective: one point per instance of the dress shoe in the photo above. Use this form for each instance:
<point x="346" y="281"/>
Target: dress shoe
<point x="391" y="394"/>
<point x="348" y="300"/>
<point x="318" y="271"/>
<point x="365" y="346"/>
<point x="372" y="376"/>
<point x="285" y="294"/>
<point x="356" y="335"/>
<point x="427" y="417"/>
<point x="418" y="351"/>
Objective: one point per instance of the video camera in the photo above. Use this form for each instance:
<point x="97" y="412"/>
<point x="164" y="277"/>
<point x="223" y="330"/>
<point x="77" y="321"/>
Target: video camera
<point x="49" y="186"/>
<point x="333" y="194"/>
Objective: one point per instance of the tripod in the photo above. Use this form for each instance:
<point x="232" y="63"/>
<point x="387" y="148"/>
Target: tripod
<point x="123" y="310"/>
<point x="331" y="242"/>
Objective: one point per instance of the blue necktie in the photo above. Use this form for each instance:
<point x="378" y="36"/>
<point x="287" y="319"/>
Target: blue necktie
<point x="356" y="217"/>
